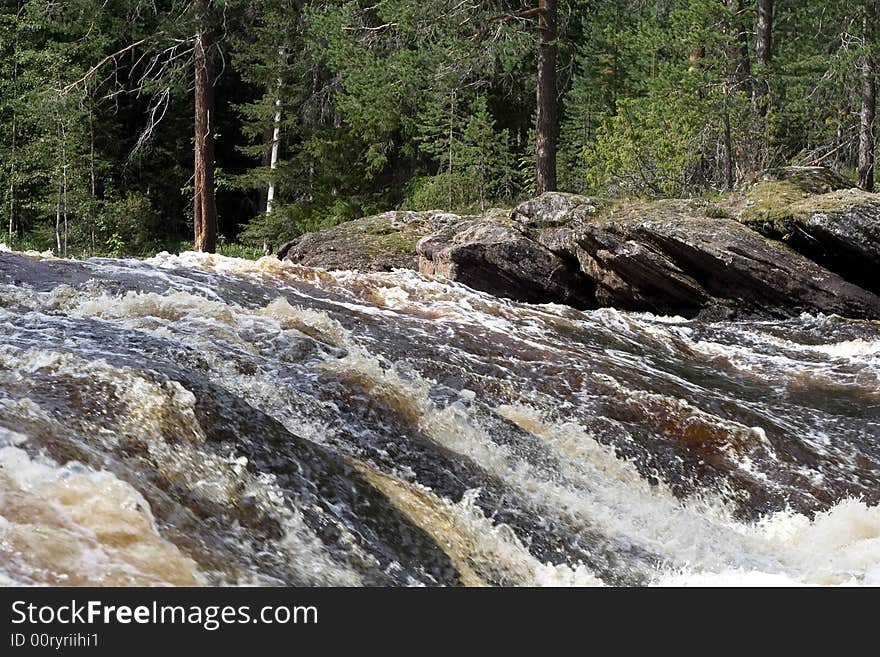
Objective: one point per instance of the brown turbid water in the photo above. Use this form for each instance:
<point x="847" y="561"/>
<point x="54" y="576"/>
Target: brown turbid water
<point x="197" y="419"/>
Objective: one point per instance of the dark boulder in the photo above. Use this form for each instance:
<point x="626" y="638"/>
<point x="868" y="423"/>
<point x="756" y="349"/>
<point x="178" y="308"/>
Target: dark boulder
<point x="496" y="257"/>
<point x="665" y="257"/>
<point x="838" y="229"/>
<point x="796" y="240"/>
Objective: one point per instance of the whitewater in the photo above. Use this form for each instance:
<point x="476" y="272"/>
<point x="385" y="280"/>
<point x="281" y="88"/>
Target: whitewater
<point x="196" y="419"/>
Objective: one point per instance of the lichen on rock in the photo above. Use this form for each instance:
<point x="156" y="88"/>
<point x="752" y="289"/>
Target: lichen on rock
<point x="798" y="239"/>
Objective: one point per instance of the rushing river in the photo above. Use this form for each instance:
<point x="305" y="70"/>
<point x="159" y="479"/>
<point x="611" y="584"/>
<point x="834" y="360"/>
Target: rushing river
<point x="198" y="419"/>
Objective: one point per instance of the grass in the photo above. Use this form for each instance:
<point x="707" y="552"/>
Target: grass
<point x="224" y="248"/>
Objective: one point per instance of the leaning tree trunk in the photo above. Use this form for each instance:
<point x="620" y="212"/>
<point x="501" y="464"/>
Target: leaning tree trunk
<point x="204" y="209"/>
<point x="545" y="132"/>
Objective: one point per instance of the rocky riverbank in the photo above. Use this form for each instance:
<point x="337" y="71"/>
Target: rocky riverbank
<point x="797" y="240"/>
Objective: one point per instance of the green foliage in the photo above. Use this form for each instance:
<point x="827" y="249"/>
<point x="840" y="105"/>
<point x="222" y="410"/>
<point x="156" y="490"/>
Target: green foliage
<point x="657" y="144"/>
<point x="70" y="181"/>
<point x="128" y="225"/>
<point x="477" y="166"/>
<point x="224" y="248"/>
<point x="395" y="104"/>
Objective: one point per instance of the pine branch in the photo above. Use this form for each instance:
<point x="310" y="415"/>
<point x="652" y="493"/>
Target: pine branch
<point x="525" y="13"/>
<point x="96" y="67"/>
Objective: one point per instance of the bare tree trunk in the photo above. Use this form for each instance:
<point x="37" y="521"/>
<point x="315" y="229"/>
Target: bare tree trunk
<point x="58" y="194"/>
<point x="451" y="138"/>
<point x="273" y="158"/>
<point x="64" y="250"/>
<point x="204" y="210"/>
<point x="868" y="115"/>
<point x="62" y="199"/>
<point x="545" y="132"/>
<point x="12" y="162"/>
<point x="92" y="179"/>
<point x="276" y="139"/>
<point x="764" y="52"/>
<point x="12" y="154"/>
<point x="58" y="220"/>
<point x="867" y="131"/>
<point x="265" y="160"/>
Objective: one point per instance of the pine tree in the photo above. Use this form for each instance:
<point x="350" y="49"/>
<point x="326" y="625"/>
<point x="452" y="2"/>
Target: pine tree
<point x="205" y="213"/>
<point x="868" y="114"/>
<point x="545" y="131"/>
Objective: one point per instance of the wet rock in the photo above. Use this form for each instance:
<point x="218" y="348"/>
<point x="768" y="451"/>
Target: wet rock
<point x="665" y="257"/>
<point x="631" y="275"/>
<point x="496" y="257"/>
<point x="798" y="239"/>
<point x="838" y="229"/>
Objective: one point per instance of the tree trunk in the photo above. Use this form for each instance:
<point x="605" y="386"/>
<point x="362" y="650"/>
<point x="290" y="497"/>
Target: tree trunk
<point x="64" y="211"/>
<point x="265" y="161"/>
<point x="204" y="210"/>
<point x="276" y="136"/>
<point x="764" y="32"/>
<point x="739" y="51"/>
<point x="12" y="161"/>
<point x="737" y="79"/>
<point x="58" y="220"/>
<point x="12" y="181"/>
<point x="58" y="192"/>
<point x="451" y="140"/>
<point x="545" y="132"/>
<point x="868" y="115"/>
<point x="764" y="52"/>
<point x="92" y="180"/>
<point x="273" y="157"/>
<point x="867" y="132"/>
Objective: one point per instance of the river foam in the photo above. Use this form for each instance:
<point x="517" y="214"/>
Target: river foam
<point x="196" y="419"/>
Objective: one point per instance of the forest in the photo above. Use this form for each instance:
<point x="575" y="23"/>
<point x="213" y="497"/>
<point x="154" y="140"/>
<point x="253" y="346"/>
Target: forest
<point x="133" y="126"/>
